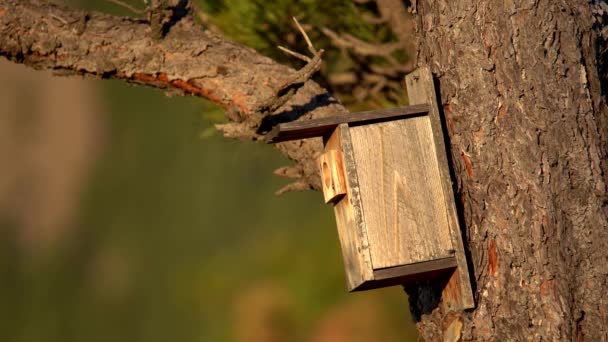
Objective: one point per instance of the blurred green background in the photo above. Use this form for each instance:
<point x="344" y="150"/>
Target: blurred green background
<point x="125" y="217"/>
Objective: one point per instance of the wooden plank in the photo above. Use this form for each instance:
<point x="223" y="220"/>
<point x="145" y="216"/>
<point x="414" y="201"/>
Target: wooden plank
<point x="331" y="166"/>
<point x="324" y="126"/>
<point x="349" y="215"/>
<point x="400" y="275"/>
<point x="401" y="192"/>
<point x="457" y="295"/>
<point x="414" y="269"/>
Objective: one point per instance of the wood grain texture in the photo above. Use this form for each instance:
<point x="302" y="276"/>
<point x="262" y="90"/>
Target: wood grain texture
<point x="421" y="89"/>
<point x="323" y="126"/>
<point x="331" y="166"/>
<point x="349" y="215"/>
<point x="401" y="192"/>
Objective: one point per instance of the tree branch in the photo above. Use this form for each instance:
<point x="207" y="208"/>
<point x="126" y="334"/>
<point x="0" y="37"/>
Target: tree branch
<point x="189" y="60"/>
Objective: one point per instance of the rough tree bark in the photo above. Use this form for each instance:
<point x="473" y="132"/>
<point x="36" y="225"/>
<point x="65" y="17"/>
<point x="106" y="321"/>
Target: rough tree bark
<point x="527" y="121"/>
<point x="529" y="129"/>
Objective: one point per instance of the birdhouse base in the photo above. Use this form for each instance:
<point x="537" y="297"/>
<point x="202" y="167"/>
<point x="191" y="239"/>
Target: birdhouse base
<point x="399" y="275"/>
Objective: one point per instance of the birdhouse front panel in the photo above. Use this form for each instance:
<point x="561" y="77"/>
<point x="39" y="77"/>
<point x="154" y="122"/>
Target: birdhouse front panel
<point x="391" y="216"/>
<point x="400" y="191"/>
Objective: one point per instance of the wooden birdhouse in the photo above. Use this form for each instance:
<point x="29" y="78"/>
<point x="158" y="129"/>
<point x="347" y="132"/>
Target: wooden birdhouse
<point x="386" y="174"/>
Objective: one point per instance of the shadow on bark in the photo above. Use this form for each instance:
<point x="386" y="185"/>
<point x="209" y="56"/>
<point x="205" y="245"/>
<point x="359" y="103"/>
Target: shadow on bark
<point x="425" y="296"/>
<point x="601" y="42"/>
<point x="296" y="112"/>
<point x="178" y="12"/>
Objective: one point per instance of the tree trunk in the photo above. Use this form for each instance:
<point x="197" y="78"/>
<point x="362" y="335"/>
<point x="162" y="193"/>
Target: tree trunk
<point x="522" y="98"/>
<point x="521" y="95"/>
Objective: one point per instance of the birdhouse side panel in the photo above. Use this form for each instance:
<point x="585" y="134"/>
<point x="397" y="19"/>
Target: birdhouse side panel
<point x="400" y="188"/>
<point x="349" y="214"/>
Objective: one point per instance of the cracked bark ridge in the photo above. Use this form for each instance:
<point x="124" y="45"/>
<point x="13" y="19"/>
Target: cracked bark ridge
<point x="521" y="96"/>
<point x="188" y="60"/>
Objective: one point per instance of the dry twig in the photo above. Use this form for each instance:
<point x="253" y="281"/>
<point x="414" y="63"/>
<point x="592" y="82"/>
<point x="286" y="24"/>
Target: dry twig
<point x="127" y="6"/>
<point x="372" y="79"/>
<point x="289" y="88"/>
<point x="245" y="124"/>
